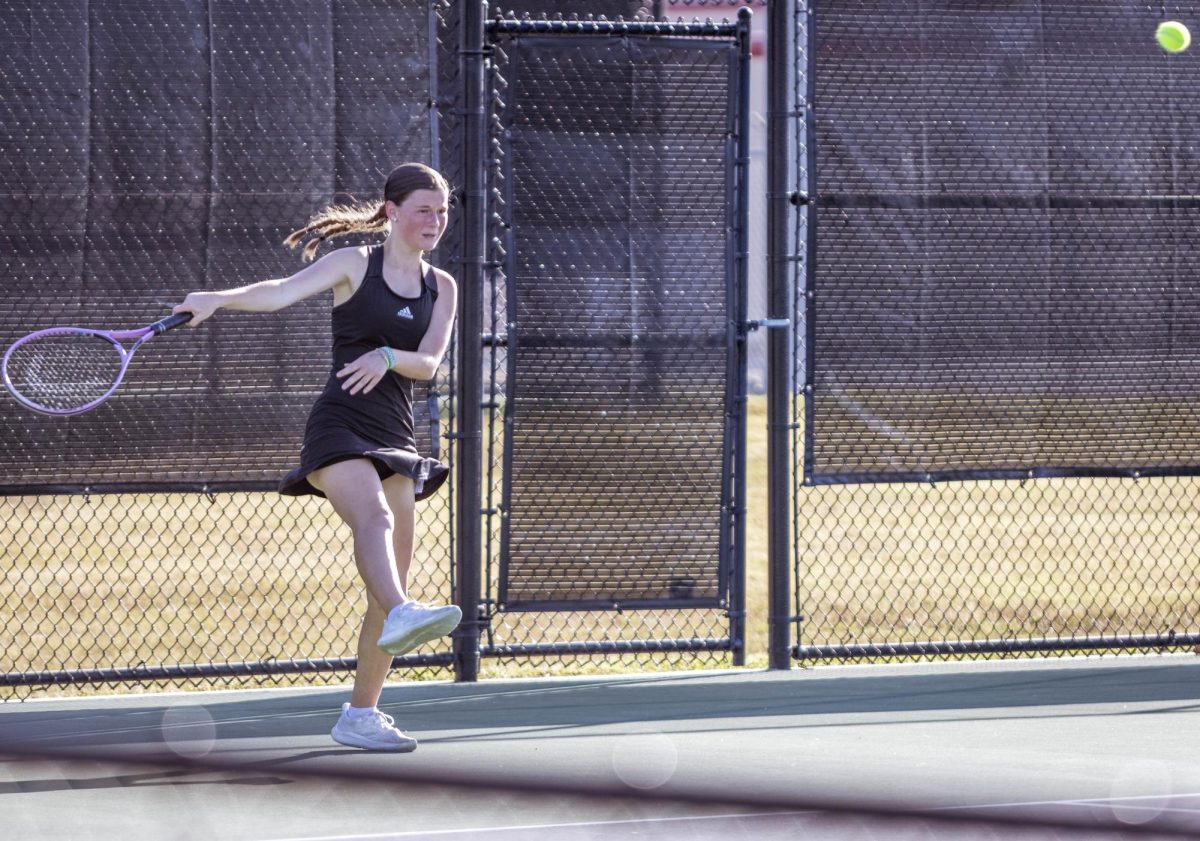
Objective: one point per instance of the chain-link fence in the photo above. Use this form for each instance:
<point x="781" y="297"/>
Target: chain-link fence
<point x="616" y="364"/>
<point x="152" y="150"/>
<point x="183" y="589"/>
<point x="996" y="236"/>
<point x="994" y="334"/>
<point x="144" y="542"/>
<point x="993" y="568"/>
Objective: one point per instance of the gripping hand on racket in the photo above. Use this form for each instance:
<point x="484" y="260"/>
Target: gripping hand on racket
<point x="201" y="305"/>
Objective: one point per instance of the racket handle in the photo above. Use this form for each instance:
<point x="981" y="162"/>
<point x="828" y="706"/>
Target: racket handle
<point x="170" y="322"/>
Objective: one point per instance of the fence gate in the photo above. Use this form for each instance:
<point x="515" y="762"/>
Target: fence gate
<point x="617" y="336"/>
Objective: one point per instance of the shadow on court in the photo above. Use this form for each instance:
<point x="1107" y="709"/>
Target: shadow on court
<point x="1099" y="748"/>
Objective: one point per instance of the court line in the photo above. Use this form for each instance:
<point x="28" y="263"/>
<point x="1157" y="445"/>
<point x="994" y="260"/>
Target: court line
<point x="1093" y="801"/>
<point x="530" y="827"/>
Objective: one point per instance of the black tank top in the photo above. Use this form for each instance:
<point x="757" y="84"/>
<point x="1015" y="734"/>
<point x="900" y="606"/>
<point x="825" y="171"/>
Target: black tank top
<point x="375" y="316"/>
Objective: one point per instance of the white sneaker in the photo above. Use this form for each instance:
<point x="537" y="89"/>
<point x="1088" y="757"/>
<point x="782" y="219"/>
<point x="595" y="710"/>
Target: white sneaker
<point x="373" y="732"/>
<point x="413" y="623"/>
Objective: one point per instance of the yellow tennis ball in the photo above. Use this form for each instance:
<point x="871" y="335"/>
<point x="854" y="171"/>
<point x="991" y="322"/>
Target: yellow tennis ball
<point x="1173" y="36"/>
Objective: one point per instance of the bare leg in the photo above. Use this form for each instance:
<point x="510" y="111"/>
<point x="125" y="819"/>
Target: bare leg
<point x="373" y="662"/>
<point x="381" y="515"/>
<point x="401" y="499"/>
<point x="354" y="489"/>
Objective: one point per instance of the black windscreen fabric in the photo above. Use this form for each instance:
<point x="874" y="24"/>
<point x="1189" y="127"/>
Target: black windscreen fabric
<point x="1006" y="229"/>
<point x="154" y="148"/>
<point x="618" y="341"/>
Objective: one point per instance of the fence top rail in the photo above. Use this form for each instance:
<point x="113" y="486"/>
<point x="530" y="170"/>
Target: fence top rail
<point x="101" y="488"/>
<point x="722" y="28"/>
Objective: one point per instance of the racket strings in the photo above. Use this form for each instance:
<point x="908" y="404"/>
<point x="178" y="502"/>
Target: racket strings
<point x="64" y="371"/>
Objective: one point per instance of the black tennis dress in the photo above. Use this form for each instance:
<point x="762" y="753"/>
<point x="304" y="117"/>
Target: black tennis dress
<point x="377" y="425"/>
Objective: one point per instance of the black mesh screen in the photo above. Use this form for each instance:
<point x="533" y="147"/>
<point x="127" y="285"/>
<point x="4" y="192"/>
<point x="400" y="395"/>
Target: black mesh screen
<point x="1006" y="226"/>
<point x="616" y="174"/>
<point x="150" y="149"/>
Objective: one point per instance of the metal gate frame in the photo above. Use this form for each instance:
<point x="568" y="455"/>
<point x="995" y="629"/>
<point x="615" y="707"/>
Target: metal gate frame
<point x="483" y="254"/>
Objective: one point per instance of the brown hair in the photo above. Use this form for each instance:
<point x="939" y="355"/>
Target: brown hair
<point x="366" y="217"/>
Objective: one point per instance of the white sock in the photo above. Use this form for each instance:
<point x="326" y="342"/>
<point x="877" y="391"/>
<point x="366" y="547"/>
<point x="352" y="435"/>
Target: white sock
<point x="354" y="713"/>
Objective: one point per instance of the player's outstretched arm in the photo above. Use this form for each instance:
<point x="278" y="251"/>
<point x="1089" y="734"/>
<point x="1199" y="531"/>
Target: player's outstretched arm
<point x="271" y="295"/>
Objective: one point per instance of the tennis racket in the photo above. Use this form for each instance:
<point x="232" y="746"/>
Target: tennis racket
<point x="69" y="370"/>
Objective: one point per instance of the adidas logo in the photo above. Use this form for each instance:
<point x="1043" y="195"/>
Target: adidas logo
<point x="405" y="313"/>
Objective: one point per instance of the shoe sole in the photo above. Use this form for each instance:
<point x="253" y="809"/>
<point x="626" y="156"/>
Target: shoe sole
<point x="421" y="634"/>
<point x="350" y="740"/>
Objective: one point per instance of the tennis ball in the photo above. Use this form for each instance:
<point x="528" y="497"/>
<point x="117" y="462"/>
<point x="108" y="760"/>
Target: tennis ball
<point x="1173" y="36"/>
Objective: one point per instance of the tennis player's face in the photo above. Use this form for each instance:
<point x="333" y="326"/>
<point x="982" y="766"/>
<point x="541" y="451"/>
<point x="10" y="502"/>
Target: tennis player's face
<point x="420" y="220"/>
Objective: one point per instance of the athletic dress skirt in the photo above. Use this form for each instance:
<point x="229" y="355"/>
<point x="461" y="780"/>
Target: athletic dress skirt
<point x="377" y="425"/>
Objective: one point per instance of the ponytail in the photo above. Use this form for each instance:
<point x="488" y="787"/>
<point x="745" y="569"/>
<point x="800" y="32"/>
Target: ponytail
<point x="366" y="217"/>
<point x="336" y="221"/>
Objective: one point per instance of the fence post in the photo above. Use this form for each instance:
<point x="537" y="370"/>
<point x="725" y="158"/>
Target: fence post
<point x="470" y="349"/>
<point x="740" y="223"/>
<point x="780" y="71"/>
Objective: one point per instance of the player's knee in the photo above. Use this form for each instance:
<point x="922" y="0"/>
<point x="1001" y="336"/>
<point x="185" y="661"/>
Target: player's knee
<point x="372" y="519"/>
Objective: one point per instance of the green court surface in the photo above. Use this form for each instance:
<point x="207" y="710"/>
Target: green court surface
<point x="1089" y="748"/>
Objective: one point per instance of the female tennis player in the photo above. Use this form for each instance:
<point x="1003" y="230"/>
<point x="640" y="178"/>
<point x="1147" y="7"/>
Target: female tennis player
<point x="392" y="318"/>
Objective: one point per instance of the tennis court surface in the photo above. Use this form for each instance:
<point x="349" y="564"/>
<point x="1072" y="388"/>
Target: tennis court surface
<point x="1096" y="748"/>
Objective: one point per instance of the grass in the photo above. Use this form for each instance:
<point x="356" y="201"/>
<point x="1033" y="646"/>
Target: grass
<point x="122" y="579"/>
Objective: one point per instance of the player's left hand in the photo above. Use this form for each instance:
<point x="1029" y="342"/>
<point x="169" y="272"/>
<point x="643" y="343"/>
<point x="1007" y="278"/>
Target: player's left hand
<point x="364" y="373"/>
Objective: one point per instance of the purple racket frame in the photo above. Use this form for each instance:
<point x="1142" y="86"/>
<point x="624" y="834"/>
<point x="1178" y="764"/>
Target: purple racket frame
<point x="139" y="337"/>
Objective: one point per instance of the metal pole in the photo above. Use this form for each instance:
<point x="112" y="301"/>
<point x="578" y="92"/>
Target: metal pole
<point x="781" y="47"/>
<point x="470" y="347"/>
<point x="741" y="222"/>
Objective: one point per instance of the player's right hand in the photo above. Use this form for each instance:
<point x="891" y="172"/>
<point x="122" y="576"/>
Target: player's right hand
<point x="200" y="304"/>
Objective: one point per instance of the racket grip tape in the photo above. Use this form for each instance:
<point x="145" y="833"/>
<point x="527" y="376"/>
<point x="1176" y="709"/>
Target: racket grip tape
<point x="170" y="322"/>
